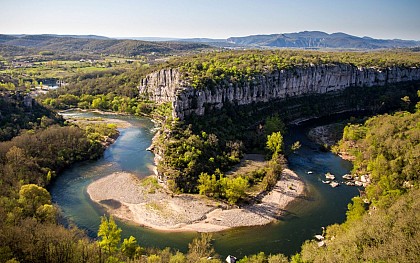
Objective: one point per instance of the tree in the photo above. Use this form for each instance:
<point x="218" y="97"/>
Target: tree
<point x="405" y="102"/>
<point x="200" y="247"/>
<point x="258" y="258"/>
<point x="356" y="210"/>
<point x="18" y="164"/>
<point x="109" y="234"/>
<point x="207" y="184"/>
<point x="153" y="259"/>
<point x="96" y="103"/>
<point x="234" y="188"/>
<point x="178" y="258"/>
<point x="32" y="197"/>
<point x="275" y="143"/>
<point x="278" y="258"/>
<point x="46" y="213"/>
<point x="274" y="124"/>
<point x="129" y="247"/>
<point x="49" y="176"/>
<point x="297" y="258"/>
<point x="273" y="172"/>
<point x="69" y="99"/>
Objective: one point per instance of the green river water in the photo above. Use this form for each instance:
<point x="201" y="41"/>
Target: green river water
<point x="323" y="206"/>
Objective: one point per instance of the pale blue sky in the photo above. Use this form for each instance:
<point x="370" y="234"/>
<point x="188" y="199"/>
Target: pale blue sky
<point x="210" y="18"/>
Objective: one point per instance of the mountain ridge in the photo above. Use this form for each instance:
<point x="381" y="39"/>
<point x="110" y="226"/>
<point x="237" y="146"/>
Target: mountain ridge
<point x="94" y="44"/>
<point x="137" y="45"/>
<point x="319" y="39"/>
<point x="303" y="39"/>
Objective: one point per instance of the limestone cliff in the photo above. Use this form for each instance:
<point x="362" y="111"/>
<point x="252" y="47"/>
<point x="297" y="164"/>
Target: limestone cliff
<point x="167" y="85"/>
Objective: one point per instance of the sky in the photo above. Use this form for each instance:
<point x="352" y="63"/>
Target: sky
<point x="385" y="19"/>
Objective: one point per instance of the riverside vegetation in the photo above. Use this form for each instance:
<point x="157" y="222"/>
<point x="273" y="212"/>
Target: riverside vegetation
<point x="383" y="223"/>
<point x="29" y="231"/>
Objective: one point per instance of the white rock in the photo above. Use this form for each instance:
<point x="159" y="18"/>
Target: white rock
<point x="167" y="85"/>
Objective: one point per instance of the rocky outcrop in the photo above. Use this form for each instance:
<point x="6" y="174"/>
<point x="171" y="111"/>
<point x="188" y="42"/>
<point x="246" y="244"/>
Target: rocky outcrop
<point x="167" y="85"/>
<point x="162" y="86"/>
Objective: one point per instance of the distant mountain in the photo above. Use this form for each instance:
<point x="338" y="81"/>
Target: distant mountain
<point x="305" y="39"/>
<point x="219" y="43"/>
<point x="154" y="39"/>
<point x="11" y="45"/>
<point x="95" y="45"/>
<point x="202" y="40"/>
<point x="318" y="39"/>
<point x="54" y="35"/>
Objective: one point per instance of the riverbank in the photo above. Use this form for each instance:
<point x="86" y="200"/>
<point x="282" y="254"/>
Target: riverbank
<point x="121" y="124"/>
<point x="144" y="203"/>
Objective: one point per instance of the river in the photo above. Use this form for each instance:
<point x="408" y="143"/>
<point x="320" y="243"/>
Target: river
<point x="324" y="206"/>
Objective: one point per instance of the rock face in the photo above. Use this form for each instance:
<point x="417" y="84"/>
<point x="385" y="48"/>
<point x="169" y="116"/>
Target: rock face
<point x="167" y="85"/>
<point x="162" y="86"/>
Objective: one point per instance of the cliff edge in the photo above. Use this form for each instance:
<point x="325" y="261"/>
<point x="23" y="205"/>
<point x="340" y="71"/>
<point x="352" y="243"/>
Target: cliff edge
<point x="168" y="85"/>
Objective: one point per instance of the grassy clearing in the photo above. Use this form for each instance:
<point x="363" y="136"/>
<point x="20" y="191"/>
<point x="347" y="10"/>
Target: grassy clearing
<point x="249" y="163"/>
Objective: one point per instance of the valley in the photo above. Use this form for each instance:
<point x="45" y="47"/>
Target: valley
<point x="150" y="133"/>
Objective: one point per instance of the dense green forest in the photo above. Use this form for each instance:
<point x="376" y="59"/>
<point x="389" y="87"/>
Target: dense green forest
<point x="387" y="148"/>
<point x="197" y="155"/>
<point x="28" y="162"/>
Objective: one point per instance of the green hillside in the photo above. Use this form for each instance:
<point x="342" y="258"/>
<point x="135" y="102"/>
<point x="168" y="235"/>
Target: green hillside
<point x="65" y="44"/>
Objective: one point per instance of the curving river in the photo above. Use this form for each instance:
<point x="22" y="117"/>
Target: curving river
<point x="324" y="206"/>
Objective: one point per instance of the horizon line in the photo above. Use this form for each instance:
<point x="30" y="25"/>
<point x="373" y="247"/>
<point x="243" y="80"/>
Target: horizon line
<point x="197" y="37"/>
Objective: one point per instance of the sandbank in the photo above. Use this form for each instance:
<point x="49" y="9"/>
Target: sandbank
<point x="129" y="198"/>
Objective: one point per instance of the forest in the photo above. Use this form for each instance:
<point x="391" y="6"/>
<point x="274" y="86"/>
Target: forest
<point x="386" y="147"/>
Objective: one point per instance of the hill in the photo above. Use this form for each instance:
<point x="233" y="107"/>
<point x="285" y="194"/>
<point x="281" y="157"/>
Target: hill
<point x="318" y="39"/>
<point x="94" y="45"/>
<point x="18" y="111"/>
